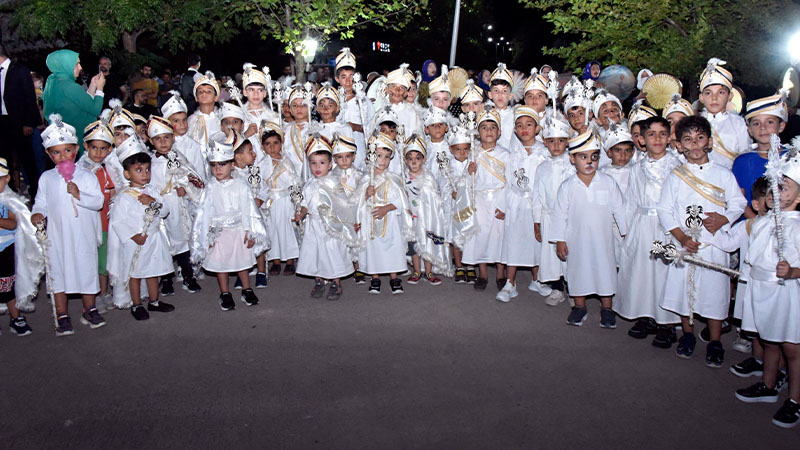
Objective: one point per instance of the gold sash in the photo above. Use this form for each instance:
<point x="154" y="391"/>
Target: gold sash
<point x="494" y="166"/>
<point x="708" y="191"/>
<point x="385" y="186"/>
<point x="297" y="143"/>
<point x="133" y="193"/>
<point x="719" y="147"/>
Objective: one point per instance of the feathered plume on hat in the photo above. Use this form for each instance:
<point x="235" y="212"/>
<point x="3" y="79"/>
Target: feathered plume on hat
<point x="58" y="132"/>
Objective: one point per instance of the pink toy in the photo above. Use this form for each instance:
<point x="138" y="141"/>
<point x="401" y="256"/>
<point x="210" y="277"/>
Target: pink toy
<point x="66" y="169"/>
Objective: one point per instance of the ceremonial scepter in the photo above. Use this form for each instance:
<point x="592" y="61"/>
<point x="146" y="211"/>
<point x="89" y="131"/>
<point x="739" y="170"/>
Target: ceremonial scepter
<point x="296" y="196"/>
<point x="236" y="94"/>
<point x="150" y="214"/>
<point x="775" y="170"/>
<point x="444" y="167"/>
<point x="41" y="236"/>
<point x="358" y="87"/>
<point x="372" y="159"/>
<point x="279" y="94"/>
<point x="268" y="87"/>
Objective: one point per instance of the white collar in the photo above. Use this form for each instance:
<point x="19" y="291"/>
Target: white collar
<point x="6" y="63"/>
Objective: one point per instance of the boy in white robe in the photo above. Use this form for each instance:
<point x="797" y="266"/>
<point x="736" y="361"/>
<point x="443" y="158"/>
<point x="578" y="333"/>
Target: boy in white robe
<point x="641" y="279"/>
<point x="357" y="111"/>
<point x="728" y="129"/>
<point x="398" y="83"/>
<point x="454" y="179"/>
<point x="297" y="133"/>
<point x="255" y="88"/>
<point x="697" y="199"/>
<point x="329" y="110"/>
<point x="279" y="208"/>
<point x="175" y="111"/>
<point x="607" y="110"/>
<point x="587" y="205"/>
<point x="137" y="244"/>
<point x="520" y="247"/>
<point x="618" y="147"/>
<point x="347" y="177"/>
<point x="501" y="84"/>
<point x="205" y="121"/>
<point x="436" y="128"/>
<point x="71" y="203"/>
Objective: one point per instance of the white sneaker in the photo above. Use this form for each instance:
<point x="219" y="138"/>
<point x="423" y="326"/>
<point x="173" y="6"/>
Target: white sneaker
<point x="540" y="288"/>
<point x="742" y="345"/>
<point x="508" y="292"/>
<point x="554" y="298"/>
<point x="3" y="309"/>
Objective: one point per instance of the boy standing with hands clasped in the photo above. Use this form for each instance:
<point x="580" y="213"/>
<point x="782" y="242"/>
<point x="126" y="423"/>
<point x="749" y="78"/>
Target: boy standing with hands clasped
<point x="728" y="131"/>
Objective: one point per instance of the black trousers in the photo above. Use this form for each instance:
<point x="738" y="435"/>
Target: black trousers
<point x="17" y="149"/>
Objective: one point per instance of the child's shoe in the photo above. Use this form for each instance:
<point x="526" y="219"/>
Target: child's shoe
<point x="508" y="292"/>
<point x="275" y="269"/>
<point x="577" y="316"/>
<point x="334" y="292"/>
<point x="757" y="393"/>
<point x="642" y="328"/>
<point x="782" y="381"/>
<point x="501" y="283"/>
<point x="191" y="285"/>
<point x="461" y="276"/>
<point x="261" y="280"/>
<point x="375" y="286"/>
<point x="715" y="354"/>
<point x="472" y="276"/>
<point x="608" y="319"/>
<point x="360" y="278"/>
<point x="238" y="283"/>
<point x="789" y="414"/>
<point x="92" y="318"/>
<point x="249" y="297"/>
<point x="413" y="278"/>
<point x="20" y="326"/>
<point x="166" y="287"/>
<point x="64" y="327"/>
<point x="554" y="298"/>
<point x="433" y="279"/>
<point x="540" y="288"/>
<point x="158" y="306"/>
<point x="480" y="284"/>
<point x="750" y="367"/>
<point x="319" y="289"/>
<point x="665" y="336"/>
<point x="742" y="345"/>
<point x="705" y="334"/>
<point x="226" y="302"/>
<point x="289" y="270"/>
<point x="139" y="312"/>
<point x="397" y="285"/>
<point x="686" y="345"/>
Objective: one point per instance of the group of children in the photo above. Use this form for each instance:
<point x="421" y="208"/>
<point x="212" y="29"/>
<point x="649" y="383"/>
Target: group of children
<point x="563" y="185"/>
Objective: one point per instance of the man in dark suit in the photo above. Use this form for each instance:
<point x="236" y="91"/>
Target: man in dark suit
<point x="18" y="119"/>
<point x="187" y="82"/>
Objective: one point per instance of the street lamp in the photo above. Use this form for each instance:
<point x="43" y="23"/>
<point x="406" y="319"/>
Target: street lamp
<point x="490" y="39"/>
<point x="794" y="48"/>
<point x="489" y="27"/>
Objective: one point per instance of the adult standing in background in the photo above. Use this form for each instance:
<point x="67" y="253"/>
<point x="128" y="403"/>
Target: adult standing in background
<point x="188" y="79"/>
<point x="144" y="80"/>
<point x="115" y="83"/>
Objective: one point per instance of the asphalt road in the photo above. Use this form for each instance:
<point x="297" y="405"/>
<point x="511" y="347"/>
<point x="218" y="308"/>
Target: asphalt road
<point x="441" y="367"/>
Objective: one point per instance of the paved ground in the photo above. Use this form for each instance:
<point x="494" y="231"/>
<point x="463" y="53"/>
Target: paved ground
<point x="439" y="367"/>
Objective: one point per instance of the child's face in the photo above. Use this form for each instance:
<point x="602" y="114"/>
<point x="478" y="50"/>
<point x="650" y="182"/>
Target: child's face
<point x="609" y="112"/>
<point x="715" y="98"/>
<point x="441" y="100"/>
<point x="557" y="146"/>
<point x="674" y="118"/>
<point x="411" y="94"/>
<point x="414" y="161"/>
<point x="621" y="154"/>
<point x="119" y="136"/>
<point x="460" y="152"/>
<point x="695" y="146"/>
<point x="98" y="150"/>
<point x="345" y="79"/>
<point x="475" y="107"/>
<point x="656" y="139"/>
<point x="576" y="117"/>
<point x="140" y="130"/>
<point x="327" y="109"/>
<point x="221" y="170"/>
<point x="384" y="157"/>
<point x="759" y="204"/>
<point x="163" y="142"/>
<point x="232" y="123"/>
<point x="180" y="123"/>
<point x="397" y="93"/>
<point x="344" y="160"/>
<point x="272" y="146"/>
<point x="526" y="129"/>
<point x="638" y="139"/>
<point x="244" y="155"/>
<point x="320" y="164"/>
<point x="488" y="132"/>
<point x="790" y="194"/>
<point x="255" y="94"/>
<point x="287" y="112"/>
<point x="536" y="99"/>
<point x="299" y="110"/>
<point x="500" y="95"/>
<point x="762" y="126"/>
<point x="138" y="174"/>
<point x="206" y="95"/>
<point x="585" y="162"/>
<point x="62" y="152"/>
<point x="436" y="131"/>
<point x="389" y="130"/>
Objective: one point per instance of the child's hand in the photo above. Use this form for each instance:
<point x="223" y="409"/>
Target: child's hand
<point x="251" y="130"/>
<point x="298" y="217"/>
<point x="145" y="199"/>
<point x="259" y="202"/>
<point x="500" y="215"/>
<point x="472" y="168"/>
<point x="537" y="231"/>
<point x="249" y="242"/>
<point x="181" y="191"/>
<point x="37" y="218"/>
<point x="370" y="192"/>
<point x="356" y="127"/>
<point x="112" y="192"/>
<point x="357" y="226"/>
<point x="454" y="195"/>
<point x="714" y="221"/>
<point x="784" y="270"/>
<point x="140" y="239"/>
<point x="72" y="188"/>
<point x="561" y="250"/>
<point x="689" y="244"/>
<point x="381" y="211"/>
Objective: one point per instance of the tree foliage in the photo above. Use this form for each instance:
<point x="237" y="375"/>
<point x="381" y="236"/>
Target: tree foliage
<point x="675" y="36"/>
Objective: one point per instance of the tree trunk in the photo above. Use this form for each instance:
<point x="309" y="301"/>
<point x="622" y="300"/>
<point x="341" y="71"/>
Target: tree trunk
<point x="129" y="40"/>
<point x="300" y="67"/>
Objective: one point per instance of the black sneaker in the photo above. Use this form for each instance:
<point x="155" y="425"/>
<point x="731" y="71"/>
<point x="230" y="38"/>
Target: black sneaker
<point x="472" y="277"/>
<point x="359" y="278"/>
<point x="501" y="283"/>
<point x="166" y="287"/>
<point x="643" y="328"/>
<point x="139" y="312"/>
<point x="686" y="345"/>
<point x="92" y="318"/>
<point x="319" y="289"/>
<point x="191" y="285"/>
<point x="396" y="285"/>
<point x="275" y="269"/>
<point x="665" y="336"/>
<point x="237" y="284"/>
<point x="757" y="393"/>
<point x="750" y="367"/>
<point x="159" y="306"/>
<point x="781" y="382"/>
<point x="577" y="316"/>
<point x="226" y="302"/>
<point x="375" y="286"/>
<point x="261" y="280"/>
<point x="461" y="276"/>
<point x="20" y="326"/>
<point x="705" y="335"/>
<point x="480" y="284"/>
<point x="715" y="354"/>
<point x="64" y="327"/>
<point x="607" y="318"/>
<point x="334" y="292"/>
<point x="249" y="297"/>
<point x="789" y="414"/>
